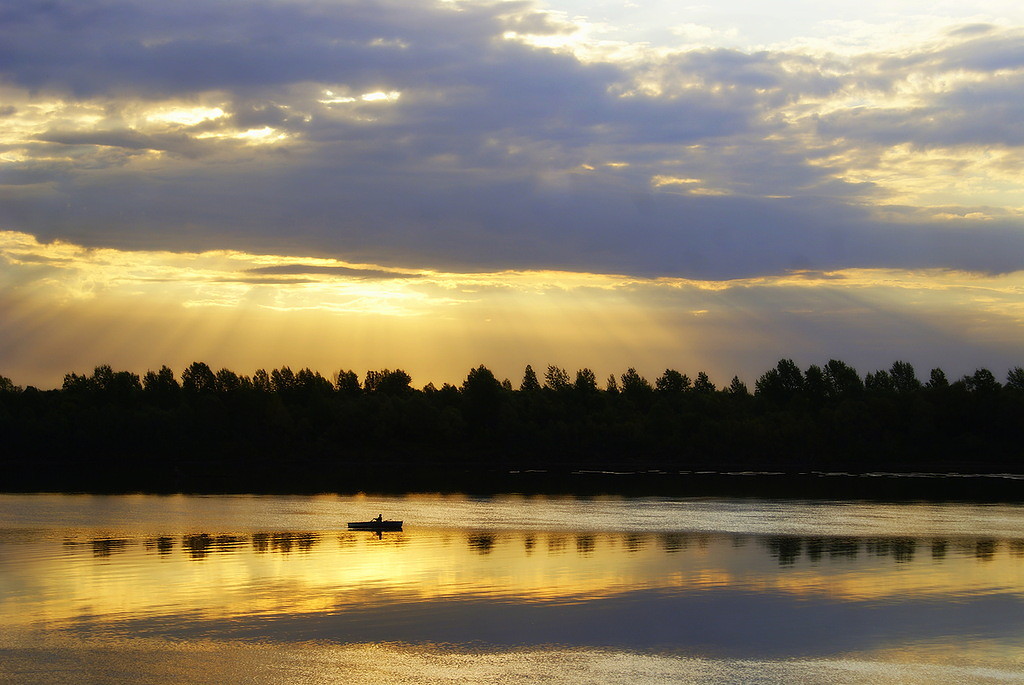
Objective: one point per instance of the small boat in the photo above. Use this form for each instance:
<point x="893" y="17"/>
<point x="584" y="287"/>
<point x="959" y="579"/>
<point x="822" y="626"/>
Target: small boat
<point x="376" y="525"/>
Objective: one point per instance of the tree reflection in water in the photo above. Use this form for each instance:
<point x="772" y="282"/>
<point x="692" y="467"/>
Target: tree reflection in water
<point x="942" y="594"/>
<point x="787" y="550"/>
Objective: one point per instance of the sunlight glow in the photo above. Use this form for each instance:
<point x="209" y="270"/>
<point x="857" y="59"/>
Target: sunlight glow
<point x="511" y="183"/>
<point x="944" y="177"/>
<point x="379" y="96"/>
<point x="72" y="307"/>
<point x="185" y="116"/>
<point x="333" y="98"/>
<point x="253" y="136"/>
<point x="688" y="186"/>
<point x="662" y="180"/>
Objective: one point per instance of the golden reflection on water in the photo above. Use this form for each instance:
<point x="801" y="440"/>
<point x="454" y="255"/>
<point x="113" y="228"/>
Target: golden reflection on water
<point x="222" y="576"/>
<point x="546" y="589"/>
<point x="227" y="663"/>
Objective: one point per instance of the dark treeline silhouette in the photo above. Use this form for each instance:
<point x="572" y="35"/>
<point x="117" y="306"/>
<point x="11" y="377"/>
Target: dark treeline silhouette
<point x="299" y="431"/>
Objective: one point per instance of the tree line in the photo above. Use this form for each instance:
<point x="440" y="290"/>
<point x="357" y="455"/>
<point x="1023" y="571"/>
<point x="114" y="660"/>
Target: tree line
<point x="219" y="430"/>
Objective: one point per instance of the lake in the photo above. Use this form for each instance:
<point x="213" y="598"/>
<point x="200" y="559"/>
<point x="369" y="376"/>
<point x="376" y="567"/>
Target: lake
<point x="274" y="589"/>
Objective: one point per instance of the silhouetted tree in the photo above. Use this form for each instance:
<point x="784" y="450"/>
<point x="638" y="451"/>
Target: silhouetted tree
<point x="161" y="382"/>
<point x="879" y="382"/>
<point x="633" y="384"/>
<point x="821" y="416"/>
<point x="482" y="393"/>
<point x="198" y="377"/>
<point x="113" y="384"/>
<point x="282" y="380"/>
<point x="557" y="378"/>
<point x="161" y="388"/>
<point x="74" y="382"/>
<point x="7" y="385"/>
<point x="789" y="375"/>
<point x="937" y="380"/>
<point x="781" y="383"/>
<point x="103" y="377"/>
<point x="586" y="381"/>
<point x="388" y="382"/>
<point x="530" y="382"/>
<point x="227" y="381"/>
<point x="703" y="383"/>
<point x="737" y="387"/>
<point x="347" y="383"/>
<point x="261" y="381"/>
<point x="124" y="384"/>
<point x="397" y="382"/>
<point x="815" y="383"/>
<point x="842" y="380"/>
<point x="672" y="382"/>
<point x="481" y="381"/>
<point x="310" y="381"/>
<point x="904" y="380"/>
<point x="982" y="381"/>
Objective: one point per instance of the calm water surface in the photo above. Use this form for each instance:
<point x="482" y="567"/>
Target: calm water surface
<point x="505" y="589"/>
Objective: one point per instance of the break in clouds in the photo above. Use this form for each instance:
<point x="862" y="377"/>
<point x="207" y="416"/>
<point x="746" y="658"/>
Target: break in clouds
<point x="444" y="135"/>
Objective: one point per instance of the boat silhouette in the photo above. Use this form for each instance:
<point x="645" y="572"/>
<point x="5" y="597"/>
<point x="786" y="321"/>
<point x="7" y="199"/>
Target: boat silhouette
<point x="378" y="524"/>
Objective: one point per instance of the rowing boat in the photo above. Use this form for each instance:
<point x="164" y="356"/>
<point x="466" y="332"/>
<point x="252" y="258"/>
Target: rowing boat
<point x="376" y="525"/>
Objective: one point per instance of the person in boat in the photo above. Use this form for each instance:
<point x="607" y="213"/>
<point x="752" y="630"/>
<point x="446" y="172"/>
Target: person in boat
<point x="380" y="518"/>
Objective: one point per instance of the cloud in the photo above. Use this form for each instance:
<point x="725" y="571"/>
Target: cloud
<point x="92" y="48"/>
<point x="946" y="108"/>
<point x="127" y="141"/>
<point x="422" y="136"/>
<point x="343" y="271"/>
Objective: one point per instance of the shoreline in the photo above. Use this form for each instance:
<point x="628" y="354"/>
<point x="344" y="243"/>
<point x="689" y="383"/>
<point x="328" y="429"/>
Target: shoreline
<point x="807" y="484"/>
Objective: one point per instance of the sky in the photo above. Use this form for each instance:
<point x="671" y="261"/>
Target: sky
<point x="437" y="185"/>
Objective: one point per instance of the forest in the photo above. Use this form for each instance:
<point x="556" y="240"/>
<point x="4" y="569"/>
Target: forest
<point x="277" y="431"/>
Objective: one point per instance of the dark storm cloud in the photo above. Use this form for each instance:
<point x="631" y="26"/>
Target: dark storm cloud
<point x="95" y="48"/>
<point x="480" y="82"/>
<point x="494" y="155"/>
<point x="584" y="226"/>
